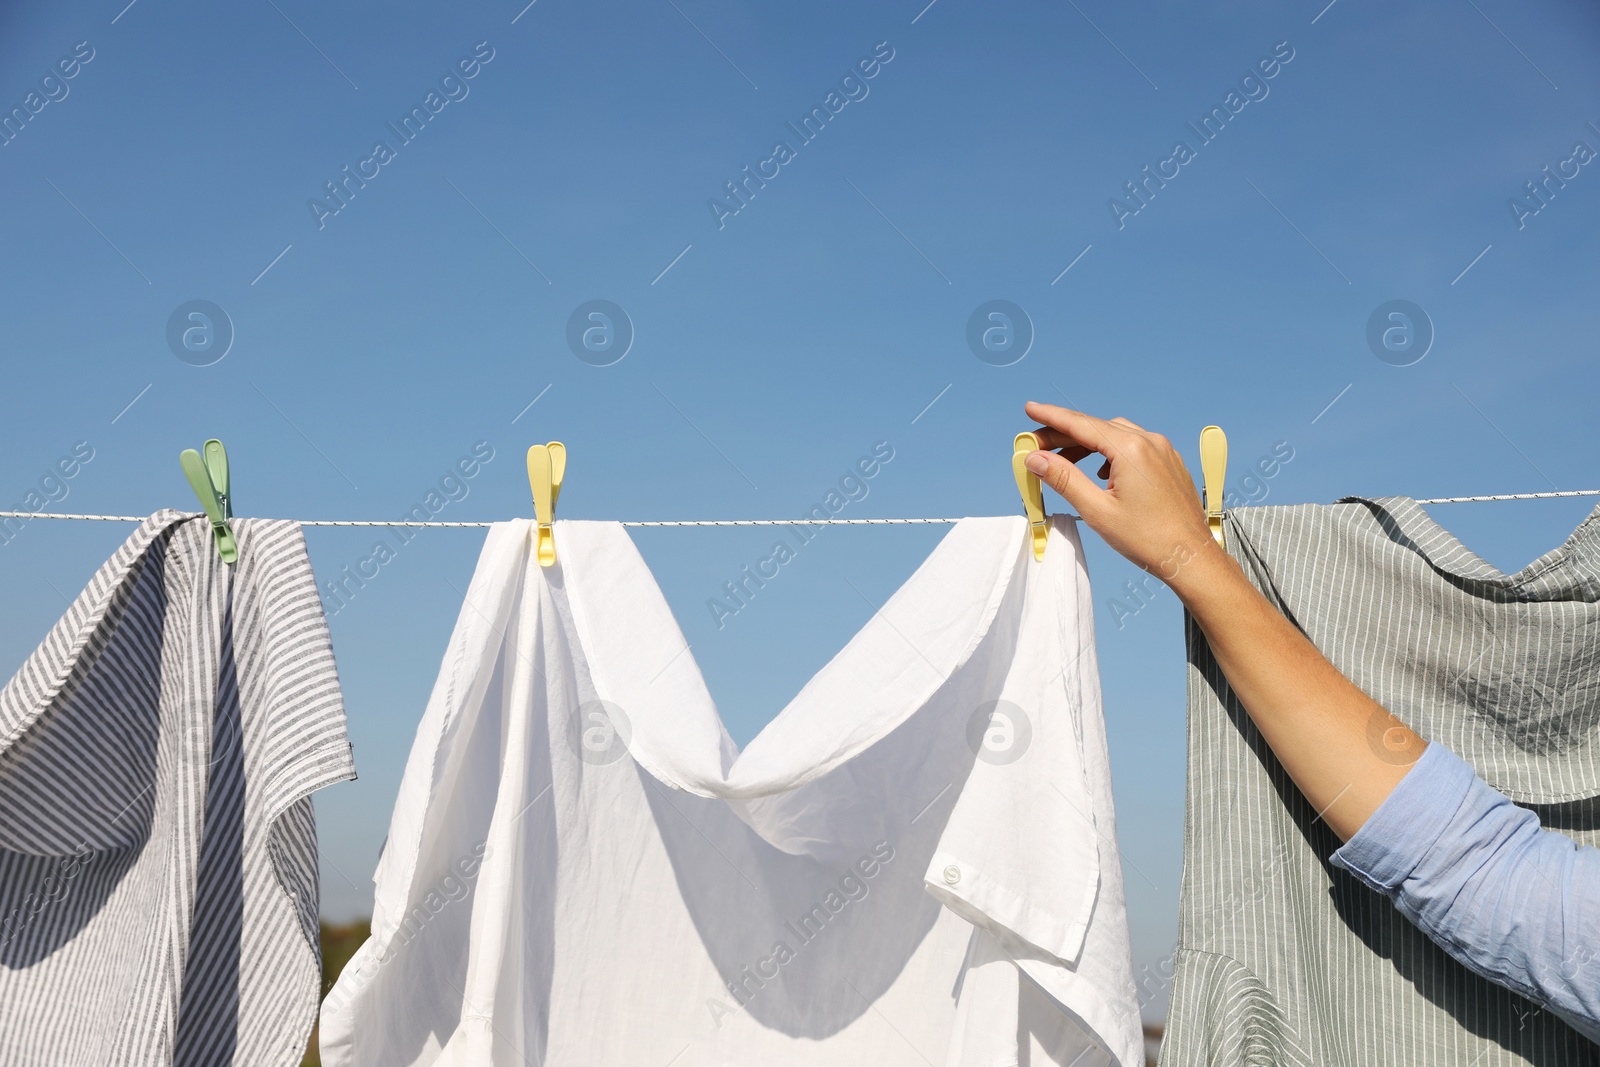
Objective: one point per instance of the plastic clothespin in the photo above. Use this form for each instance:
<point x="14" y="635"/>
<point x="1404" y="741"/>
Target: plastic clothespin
<point x="1214" y="470"/>
<point x="1032" y="492"/>
<point x="208" y="477"/>
<point x="547" y="464"/>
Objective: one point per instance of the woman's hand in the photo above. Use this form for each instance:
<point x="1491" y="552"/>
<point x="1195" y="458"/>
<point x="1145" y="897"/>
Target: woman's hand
<point x="1149" y="510"/>
<point x="1316" y="721"/>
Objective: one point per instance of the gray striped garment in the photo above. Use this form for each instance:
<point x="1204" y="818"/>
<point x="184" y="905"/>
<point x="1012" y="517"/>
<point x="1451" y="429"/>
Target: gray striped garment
<point x="158" y="868"/>
<point x="1283" y="959"/>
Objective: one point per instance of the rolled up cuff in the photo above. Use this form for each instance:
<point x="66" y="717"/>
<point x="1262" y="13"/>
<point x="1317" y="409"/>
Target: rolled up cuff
<point x="1397" y="836"/>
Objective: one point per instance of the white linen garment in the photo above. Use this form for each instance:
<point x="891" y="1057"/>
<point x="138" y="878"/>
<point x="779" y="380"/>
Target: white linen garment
<point x="914" y="863"/>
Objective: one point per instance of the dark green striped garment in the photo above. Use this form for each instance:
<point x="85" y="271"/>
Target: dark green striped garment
<point x="1284" y="959"/>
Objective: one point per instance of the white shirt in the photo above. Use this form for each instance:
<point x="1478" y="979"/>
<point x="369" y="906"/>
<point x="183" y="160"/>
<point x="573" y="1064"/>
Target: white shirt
<point x="582" y="867"/>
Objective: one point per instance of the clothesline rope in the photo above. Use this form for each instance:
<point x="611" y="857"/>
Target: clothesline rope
<point x="739" y="522"/>
<point x="483" y="525"/>
<point x="1511" y="496"/>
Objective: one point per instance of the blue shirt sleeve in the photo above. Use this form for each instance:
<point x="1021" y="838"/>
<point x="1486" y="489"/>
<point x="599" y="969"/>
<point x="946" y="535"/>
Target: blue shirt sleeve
<point x="1512" y="901"/>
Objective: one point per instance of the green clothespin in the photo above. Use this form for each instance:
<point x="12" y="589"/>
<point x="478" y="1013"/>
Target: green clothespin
<point x="208" y="478"/>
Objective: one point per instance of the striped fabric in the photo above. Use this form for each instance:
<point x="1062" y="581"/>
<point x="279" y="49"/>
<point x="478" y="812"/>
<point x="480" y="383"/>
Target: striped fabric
<point x="1283" y="959"/>
<point x="158" y="889"/>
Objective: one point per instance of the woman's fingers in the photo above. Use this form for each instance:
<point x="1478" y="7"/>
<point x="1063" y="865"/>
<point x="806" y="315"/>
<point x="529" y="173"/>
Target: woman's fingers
<point x="1056" y="441"/>
<point x="1051" y="439"/>
<point x="1148" y="510"/>
<point x="1077" y="435"/>
<point x="1073" y="485"/>
<point x="1065" y="428"/>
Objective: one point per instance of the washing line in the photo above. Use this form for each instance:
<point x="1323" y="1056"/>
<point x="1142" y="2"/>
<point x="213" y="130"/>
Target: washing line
<point x="739" y="522"/>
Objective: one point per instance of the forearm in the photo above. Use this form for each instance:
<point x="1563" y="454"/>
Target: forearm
<point x="1317" y="722"/>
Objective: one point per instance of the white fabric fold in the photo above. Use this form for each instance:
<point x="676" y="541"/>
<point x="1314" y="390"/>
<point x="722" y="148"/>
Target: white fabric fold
<point x="583" y="868"/>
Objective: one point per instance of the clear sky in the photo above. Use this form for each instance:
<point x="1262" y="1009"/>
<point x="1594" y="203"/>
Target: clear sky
<point x="1368" y="153"/>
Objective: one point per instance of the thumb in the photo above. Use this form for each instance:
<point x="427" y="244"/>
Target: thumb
<point x="1074" y="486"/>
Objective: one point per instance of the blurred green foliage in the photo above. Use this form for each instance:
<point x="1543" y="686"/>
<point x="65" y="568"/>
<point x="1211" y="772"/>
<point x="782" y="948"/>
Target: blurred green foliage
<point x="339" y="943"/>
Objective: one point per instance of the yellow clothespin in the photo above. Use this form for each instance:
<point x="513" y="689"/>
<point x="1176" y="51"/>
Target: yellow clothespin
<point x="547" y="464"/>
<point x="1213" y="470"/>
<point x="1032" y="492"/>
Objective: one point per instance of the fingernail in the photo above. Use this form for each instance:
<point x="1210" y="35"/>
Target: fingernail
<point x="1037" y="463"/>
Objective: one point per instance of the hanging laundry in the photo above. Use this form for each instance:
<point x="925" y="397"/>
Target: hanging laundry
<point x="158" y="866"/>
<point x="1284" y="958"/>
<point x="915" y="863"/>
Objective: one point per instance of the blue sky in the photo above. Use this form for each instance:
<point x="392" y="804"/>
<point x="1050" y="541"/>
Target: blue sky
<point x="375" y="346"/>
